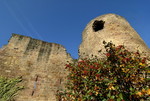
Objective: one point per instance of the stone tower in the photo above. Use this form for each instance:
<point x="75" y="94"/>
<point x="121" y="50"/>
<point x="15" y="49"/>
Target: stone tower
<point x="109" y="27"/>
<point x="41" y="64"/>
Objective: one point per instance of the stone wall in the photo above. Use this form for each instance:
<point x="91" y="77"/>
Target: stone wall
<point x="41" y="64"/>
<point x="109" y="28"/>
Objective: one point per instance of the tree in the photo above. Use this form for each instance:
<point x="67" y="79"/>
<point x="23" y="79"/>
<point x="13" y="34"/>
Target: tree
<point x="122" y="76"/>
<point x="9" y="88"/>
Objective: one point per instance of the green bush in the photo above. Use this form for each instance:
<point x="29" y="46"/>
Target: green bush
<point x="9" y="88"/>
<point x="122" y="76"/>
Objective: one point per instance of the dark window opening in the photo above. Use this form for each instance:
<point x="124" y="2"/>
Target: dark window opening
<point x="98" y="25"/>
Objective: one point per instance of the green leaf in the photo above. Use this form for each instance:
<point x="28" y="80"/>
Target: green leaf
<point x="104" y="100"/>
<point x="118" y="99"/>
<point x="109" y="94"/>
<point x="131" y="89"/>
<point x="8" y="88"/>
<point x="121" y="96"/>
<point x="112" y="97"/>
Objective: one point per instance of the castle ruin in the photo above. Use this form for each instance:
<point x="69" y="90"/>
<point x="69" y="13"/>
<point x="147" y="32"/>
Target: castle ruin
<point x="42" y="64"/>
<point x="110" y="28"/>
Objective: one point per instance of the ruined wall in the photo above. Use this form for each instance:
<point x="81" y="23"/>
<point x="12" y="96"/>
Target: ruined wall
<point x="41" y="64"/>
<point x="109" y="27"/>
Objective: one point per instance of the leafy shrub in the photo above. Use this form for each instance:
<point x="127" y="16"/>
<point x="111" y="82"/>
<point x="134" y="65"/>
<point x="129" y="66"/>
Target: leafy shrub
<point x="122" y="76"/>
<point x="9" y="88"/>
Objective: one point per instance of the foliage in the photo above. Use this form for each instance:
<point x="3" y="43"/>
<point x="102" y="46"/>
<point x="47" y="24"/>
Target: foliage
<point x="122" y="76"/>
<point x="9" y="88"/>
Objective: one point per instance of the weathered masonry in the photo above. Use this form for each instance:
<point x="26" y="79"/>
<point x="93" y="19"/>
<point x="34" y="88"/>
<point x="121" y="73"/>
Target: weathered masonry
<point x="109" y="27"/>
<point x="42" y="64"/>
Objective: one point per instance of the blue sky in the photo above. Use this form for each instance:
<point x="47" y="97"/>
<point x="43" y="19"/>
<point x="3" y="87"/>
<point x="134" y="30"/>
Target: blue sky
<point x="62" y="21"/>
